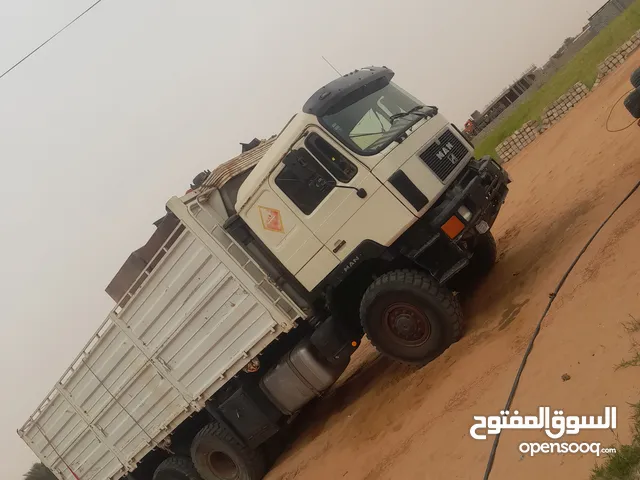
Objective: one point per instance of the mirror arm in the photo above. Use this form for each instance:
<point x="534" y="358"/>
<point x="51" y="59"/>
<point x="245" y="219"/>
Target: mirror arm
<point x="361" y="192"/>
<point x="335" y="185"/>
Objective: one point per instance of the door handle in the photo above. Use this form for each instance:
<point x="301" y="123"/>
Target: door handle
<point x="339" y="245"/>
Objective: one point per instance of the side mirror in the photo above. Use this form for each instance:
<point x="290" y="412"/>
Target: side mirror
<point x="361" y="192"/>
<point x="307" y="175"/>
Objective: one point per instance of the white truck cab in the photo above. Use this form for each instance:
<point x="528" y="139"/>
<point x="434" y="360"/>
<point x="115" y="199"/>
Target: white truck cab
<point x="362" y="162"/>
<point x="318" y="202"/>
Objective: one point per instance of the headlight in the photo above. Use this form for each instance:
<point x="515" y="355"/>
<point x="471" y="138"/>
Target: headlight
<point x="465" y="213"/>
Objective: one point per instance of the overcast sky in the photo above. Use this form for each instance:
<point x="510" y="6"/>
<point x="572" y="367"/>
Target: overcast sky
<point x="121" y="111"/>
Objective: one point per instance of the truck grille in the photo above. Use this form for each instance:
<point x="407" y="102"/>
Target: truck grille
<point x="445" y="154"/>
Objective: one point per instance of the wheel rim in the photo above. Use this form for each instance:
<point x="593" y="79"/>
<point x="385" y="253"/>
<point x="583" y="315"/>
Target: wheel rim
<point x="407" y="324"/>
<point x="223" y="465"/>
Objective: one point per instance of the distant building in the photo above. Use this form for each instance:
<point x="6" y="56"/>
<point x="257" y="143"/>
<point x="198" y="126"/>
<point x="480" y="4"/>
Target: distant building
<point x="480" y="120"/>
<point x="534" y="77"/>
<point x="607" y="13"/>
<point x="512" y="92"/>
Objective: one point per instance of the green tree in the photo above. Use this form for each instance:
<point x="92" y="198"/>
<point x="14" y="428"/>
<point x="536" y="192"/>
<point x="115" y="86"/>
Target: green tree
<point x="39" y="472"/>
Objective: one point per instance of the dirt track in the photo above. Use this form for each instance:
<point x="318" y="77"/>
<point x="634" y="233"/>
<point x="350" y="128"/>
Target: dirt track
<point x="389" y="421"/>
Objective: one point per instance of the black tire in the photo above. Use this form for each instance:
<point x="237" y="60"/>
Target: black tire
<point x="218" y="455"/>
<point x="635" y="78"/>
<point x="633" y="103"/>
<point x="176" y="468"/>
<point x="408" y="316"/>
<point x="485" y="254"/>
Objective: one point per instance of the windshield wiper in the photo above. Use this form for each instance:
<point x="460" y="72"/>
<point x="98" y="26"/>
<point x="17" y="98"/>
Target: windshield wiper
<point x="381" y="132"/>
<point x="430" y="112"/>
<point x="396" y="137"/>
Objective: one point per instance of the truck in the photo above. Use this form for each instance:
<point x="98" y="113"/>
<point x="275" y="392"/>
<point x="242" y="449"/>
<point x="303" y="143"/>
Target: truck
<point x="478" y="122"/>
<point x="358" y="218"/>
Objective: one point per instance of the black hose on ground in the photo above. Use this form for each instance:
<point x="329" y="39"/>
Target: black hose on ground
<point x="552" y="298"/>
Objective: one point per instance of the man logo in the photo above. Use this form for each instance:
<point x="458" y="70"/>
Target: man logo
<point x="351" y="264"/>
<point x="445" y="152"/>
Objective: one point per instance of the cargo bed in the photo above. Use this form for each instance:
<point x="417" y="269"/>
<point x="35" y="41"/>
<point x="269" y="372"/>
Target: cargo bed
<point x="199" y="312"/>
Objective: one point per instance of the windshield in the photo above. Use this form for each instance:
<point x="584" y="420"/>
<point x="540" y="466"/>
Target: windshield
<point x="370" y="124"/>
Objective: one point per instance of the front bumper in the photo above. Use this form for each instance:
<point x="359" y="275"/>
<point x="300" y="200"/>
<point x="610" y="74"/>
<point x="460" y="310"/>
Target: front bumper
<point x="481" y="189"/>
<point x="474" y="199"/>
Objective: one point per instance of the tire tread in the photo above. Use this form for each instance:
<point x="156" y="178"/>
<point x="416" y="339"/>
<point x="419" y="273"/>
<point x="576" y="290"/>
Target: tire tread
<point x="635" y="78"/>
<point x="632" y="103"/>
<point x="421" y="281"/>
<point x="255" y="462"/>
<point x="180" y="463"/>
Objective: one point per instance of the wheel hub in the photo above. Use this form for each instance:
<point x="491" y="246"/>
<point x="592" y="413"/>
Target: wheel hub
<point x="223" y="466"/>
<point x="407" y="324"/>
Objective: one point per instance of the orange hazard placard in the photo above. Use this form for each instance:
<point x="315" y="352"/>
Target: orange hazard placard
<point x="271" y="219"/>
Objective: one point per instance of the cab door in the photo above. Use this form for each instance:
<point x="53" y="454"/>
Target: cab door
<point x="356" y="206"/>
<point x="349" y="185"/>
<point x="281" y="229"/>
<point x="338" y="199"/>
<point x="319" y="185"/>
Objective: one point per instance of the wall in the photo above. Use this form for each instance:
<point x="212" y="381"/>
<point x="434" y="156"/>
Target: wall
<point x="558" y="109"/>
<point x="505" y="114"/>
<point x="516" y="142"/>
<point x="618" y="57"/>
<point x="607" y="13"/>
<point x="551" y="115"/>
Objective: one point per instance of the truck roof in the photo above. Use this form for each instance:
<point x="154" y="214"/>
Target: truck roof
<point x="338" y="90"/>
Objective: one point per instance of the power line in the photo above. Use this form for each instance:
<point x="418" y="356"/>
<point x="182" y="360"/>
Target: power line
<point x="50" y="38"/>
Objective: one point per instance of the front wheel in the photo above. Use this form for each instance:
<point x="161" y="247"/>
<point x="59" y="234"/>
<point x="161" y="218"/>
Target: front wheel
<point x="408" y="316"/>
<point x="485" y="254"/>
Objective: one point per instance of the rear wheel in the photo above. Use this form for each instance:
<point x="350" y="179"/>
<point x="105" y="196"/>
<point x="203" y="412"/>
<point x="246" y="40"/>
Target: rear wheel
<point x="176" y="468"/>
<point x="409" y="317"/>
<point x="218" y="455"/>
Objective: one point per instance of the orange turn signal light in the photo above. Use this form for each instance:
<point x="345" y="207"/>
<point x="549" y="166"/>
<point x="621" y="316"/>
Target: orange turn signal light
<point x="453" y="227"/>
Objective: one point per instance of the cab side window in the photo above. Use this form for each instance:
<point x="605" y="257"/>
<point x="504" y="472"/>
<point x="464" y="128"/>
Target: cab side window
<point x="339" y="165"/>
<point x="304" y="180"/>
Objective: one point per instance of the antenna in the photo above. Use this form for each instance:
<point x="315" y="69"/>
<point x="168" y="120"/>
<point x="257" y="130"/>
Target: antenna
<point x="334" y="68"/>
